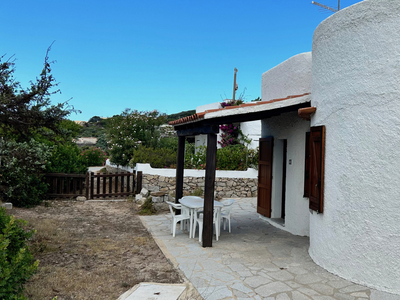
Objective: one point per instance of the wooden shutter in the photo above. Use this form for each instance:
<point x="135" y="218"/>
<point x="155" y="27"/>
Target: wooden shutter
<point x="265" y="176"/>
<point x="307" y="167"/>
<point x="317" y="154"/>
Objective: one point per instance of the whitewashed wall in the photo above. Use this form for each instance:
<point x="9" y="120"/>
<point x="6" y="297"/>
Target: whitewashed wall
<point x="356" y="89"/>
<point x="252" y="130"/>
<point x="291" y="127"/>
<point x="201" y="139"/>
<point x="292" y="77"/>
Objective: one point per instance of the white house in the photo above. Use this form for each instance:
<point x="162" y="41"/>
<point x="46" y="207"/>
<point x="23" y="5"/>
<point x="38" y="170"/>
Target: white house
<point x="330" y="143"/>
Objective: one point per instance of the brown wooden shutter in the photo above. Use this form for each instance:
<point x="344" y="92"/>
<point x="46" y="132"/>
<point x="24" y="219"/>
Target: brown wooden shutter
<point x="307" y="167"/>
<point x="265" y="176"/>
<point x="317" y="155"/>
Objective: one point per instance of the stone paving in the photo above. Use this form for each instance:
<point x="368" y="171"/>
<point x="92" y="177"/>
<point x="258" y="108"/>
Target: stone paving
<point x="255" y="261"/>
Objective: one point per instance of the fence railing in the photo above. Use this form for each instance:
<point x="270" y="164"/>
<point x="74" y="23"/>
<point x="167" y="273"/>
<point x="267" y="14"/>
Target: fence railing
<point x="62" y="185"/>
<point x="91" y="185"/>
<point x="112" y="185"/>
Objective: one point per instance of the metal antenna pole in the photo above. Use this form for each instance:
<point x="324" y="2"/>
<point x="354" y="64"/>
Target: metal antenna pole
<point x="326" y="7"/>
<point x="338" y="5"/>
<point x="234" y="85"/>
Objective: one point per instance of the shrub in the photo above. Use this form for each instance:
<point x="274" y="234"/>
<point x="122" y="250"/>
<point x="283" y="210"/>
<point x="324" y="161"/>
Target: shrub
<point x="21" y="166"/>
<point x="233" y="157"/>
<point x="195" y="159"/>
<point x="229" y="135"/>
<point x="157" y="158"/>
<point x="94" y="157"/>
<point x="127" y="131"/>
<point x="16" y="261"/>
<point x="66" y="158"/>
<point x="147" y="207"/>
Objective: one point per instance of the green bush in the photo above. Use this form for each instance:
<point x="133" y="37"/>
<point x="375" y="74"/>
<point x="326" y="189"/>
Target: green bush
<point x="233" y="157"/>
<point x="147" y="207"/>
<point x="157" y="158"/>
<point x="195" y="158"/>
<point x="67" y="158"/>
<point x="94" y="157"/>
<point x="17" y="264"/>
<point x="21" y="167"/>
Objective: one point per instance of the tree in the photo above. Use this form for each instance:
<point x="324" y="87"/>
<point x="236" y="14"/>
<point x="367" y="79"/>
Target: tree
<point x="132" y="128"/>
<point x="30" y="126"/>
<point x="26" y="111"/>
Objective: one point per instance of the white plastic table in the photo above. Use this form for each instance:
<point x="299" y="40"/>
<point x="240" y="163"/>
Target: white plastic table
<point x="194" y="203"/>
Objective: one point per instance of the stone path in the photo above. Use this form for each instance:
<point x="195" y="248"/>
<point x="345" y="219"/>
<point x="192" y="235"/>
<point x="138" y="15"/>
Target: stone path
<point x="255" y="261"/>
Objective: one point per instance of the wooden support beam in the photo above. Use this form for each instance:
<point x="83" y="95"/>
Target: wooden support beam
<point x="180" y="164"/>
<point x="187" y="130"/>
<point x="209" y="190"/>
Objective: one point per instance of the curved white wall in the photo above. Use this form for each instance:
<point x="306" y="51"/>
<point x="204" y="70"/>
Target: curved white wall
<point x="289" y="78"/>
<point x="356" y="89"/>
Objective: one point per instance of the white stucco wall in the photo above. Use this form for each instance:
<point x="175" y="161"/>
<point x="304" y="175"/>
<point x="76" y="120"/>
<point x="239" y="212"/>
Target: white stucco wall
<point x="356" y="89"/>
<point x="252" y="130"/>
<point x="292" y="77"/>
<point x="291" y="127"/>
<point x="201" y="139"/>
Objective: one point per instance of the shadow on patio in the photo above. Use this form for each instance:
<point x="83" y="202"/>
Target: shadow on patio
<point x="255" y="261"/>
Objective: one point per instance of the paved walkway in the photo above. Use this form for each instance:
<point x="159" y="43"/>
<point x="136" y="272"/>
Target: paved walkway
<point x="255" y="261"/>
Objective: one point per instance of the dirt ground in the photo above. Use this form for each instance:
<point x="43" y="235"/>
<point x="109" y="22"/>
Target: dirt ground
<point x="92" y="250"/>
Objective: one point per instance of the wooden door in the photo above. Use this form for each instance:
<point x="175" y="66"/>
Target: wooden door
<point x="265" y="176"/>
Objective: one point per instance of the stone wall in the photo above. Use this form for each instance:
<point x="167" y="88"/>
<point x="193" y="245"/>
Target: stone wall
<point x="224" y="187"/>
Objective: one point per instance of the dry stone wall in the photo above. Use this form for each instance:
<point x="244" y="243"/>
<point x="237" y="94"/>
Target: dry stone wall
<point x="224" y="187"/>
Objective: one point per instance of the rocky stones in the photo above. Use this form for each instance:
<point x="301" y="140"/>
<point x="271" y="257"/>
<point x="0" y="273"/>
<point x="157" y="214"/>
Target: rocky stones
<point x="224" y="187"/>
<point x="7" y="205"/>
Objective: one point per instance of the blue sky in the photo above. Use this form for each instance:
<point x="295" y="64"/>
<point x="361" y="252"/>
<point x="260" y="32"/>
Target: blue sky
<point x="169" y="55"/>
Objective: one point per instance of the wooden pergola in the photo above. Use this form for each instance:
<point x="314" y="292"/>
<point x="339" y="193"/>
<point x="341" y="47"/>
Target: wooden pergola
<point x="197" y="124"/>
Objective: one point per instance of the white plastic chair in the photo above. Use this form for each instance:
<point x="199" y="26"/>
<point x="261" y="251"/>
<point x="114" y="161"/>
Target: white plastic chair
<point x="183" y="217"/>
<point x="226" y="212"/>
<point x="199" y="219"/>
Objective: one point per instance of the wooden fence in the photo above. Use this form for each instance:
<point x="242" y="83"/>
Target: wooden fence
<point x="93" y="185"/>
<point x="61" y="185"/>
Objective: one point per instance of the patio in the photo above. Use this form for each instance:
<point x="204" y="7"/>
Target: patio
<point x="255" y="261"/>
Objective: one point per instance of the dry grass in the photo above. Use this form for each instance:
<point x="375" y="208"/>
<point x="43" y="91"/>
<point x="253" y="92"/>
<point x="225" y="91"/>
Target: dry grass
<point x="94" y="250"/>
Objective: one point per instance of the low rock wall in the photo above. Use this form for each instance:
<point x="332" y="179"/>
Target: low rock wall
<point x="224" y="187"/>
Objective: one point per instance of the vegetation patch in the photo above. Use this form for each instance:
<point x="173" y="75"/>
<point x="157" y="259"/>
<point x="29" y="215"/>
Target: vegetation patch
<point x="92" y="249"/>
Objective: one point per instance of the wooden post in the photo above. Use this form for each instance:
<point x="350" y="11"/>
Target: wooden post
<point x="234" y="86"/>
<point x="139" y="182"/>
<point x="211" y="161"/>
<point x="180" y="164"/>
<point x="87" y="185"/>
<point x="91" y="185"/>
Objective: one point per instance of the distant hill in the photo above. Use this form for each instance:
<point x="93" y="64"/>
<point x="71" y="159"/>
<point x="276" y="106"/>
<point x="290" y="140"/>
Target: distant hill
<point x="181" y="114"/>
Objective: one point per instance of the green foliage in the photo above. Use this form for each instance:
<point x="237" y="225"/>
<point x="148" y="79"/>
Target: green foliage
<point x="94" y="157"/>
<point x="102" y="142"/>
<point x="67" y="158"/>
<point x="21" y="165"/>
<point x="30" y="127"/>
<point x="233" y="157"/>
<point x="147" y="207"/>
<point x="169" y="143"/>
<point x="127" y="131"/>
<point x="25" y="111"/>
<point x="195" y="158"/>
<point x="17" y="264"/>
<point x="197" y="192"/>
<point x="157" y="158"/>
<point x="182" y="114"/>
<point x="68" y="130"/>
